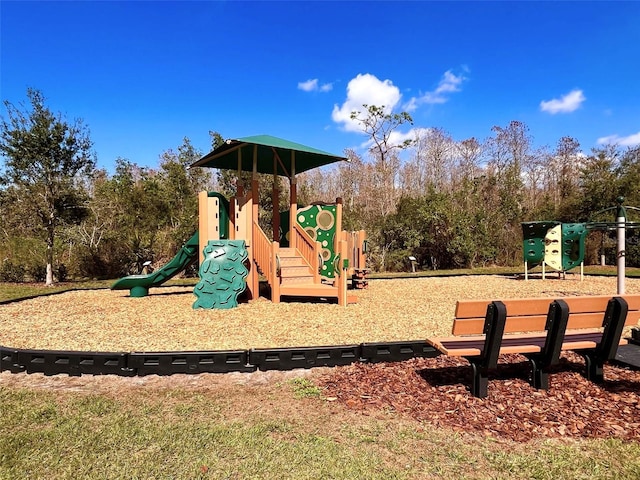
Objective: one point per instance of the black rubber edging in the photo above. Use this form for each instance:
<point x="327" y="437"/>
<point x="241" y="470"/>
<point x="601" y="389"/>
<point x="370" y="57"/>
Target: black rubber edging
<point x="169" y="363"/>
<point x="74" y="363"/>
<point x="53" y="362"/>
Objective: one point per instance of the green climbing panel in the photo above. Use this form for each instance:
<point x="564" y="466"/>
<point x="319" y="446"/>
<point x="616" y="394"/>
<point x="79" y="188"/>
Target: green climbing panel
<point x="559" y="245"/>
<point x="223" y="274"/>
<point x="319" y="221"/>
<point x="573" y="236"/>
<point x="533" y="244"/>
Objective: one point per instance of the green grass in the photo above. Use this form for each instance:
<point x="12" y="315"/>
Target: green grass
<point x="588" y="270"/>
<point x="304" y="388"/>
<point x="191" y="434"/>
<point x="17" y="291"/>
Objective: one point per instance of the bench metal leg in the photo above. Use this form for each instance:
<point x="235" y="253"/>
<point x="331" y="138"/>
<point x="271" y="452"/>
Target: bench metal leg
<point x="494" y="324"/>
<point x="594" y="368"/>
<point x="480" y="381"/>
<point x="557" y="319"/>
<point x="613" y="323"/>
<point x="539" y="374"/>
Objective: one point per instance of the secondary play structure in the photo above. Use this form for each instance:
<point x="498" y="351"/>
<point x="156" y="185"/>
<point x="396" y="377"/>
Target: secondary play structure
<point x="307" y="254"/>
<point x="561" y="246"/>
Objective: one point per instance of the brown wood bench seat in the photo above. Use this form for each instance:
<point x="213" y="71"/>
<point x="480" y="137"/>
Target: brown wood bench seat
<point x="538" y="328"/>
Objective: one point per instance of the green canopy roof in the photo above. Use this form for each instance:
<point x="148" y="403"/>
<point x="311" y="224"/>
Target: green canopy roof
<point x="266" y="148"/>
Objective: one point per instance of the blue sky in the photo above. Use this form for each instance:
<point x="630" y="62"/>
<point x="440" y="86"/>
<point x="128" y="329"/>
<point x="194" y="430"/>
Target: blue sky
<point x="145" y="74"/>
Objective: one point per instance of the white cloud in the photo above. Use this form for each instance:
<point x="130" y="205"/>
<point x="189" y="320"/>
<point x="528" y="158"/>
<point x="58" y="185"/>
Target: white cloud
<point x="312" y="85"/>
<point x="628" y="141"/>
<point x="566" y="104"/>
<point x="398" y="138"/>
<point x="449" y="83"/>
<point x="365" y="89"/>
<point x="309" y="85"/>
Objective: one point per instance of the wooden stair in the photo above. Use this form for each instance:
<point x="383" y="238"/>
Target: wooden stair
<point x="297" y="278"/>
<point x="294" y="270"/>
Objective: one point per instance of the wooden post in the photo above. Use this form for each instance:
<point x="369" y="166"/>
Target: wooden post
<point x="342" y="278"/>
<point x="239" y="187"/>
<point x="208" y="220"/>
<point x="293" y="201"/>
<point x="275" y="200"/>
<point x="275" y="283"/>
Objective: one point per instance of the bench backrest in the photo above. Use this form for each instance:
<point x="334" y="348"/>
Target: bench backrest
<point x="530" y="314"/>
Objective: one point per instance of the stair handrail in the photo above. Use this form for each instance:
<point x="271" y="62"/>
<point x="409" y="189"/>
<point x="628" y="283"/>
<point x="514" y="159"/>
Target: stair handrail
<point x="265" y="253"/>
<point x="308" y="249"/>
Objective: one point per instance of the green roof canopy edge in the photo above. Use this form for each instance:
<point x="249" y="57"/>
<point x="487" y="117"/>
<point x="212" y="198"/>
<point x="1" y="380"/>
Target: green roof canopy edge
<point x="306" y="158"/>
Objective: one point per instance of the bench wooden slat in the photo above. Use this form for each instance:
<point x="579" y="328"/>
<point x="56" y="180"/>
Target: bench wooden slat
<point x="633" y="301"/>
<point x="524" y="343"/>
<point x="518" y="306"/>
<point x="475" y="326"/>
<point x="633" y="318"/>
<point x="539" y="306"/>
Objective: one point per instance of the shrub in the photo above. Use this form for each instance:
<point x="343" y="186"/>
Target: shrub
<point x="37" y="272"/>
<point x="61" y="273"/>
<point x="398" y="261"/>
<point x="10" y="272"/>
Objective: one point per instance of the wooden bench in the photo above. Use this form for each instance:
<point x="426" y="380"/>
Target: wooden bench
<point x="538" y="328"/>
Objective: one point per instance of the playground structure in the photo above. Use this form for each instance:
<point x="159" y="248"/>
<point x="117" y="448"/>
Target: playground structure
<point x="308" y="254"/>
<point x="561" y="246"/>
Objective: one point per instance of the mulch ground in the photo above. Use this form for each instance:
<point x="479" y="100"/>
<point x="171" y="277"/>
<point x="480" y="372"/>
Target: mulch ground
<point x="434" y="391"/>
<point x="402" y="309"/>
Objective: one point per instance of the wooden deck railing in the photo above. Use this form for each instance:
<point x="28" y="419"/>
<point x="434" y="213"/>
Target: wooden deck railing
<point x="355" y="249"/>
<point x="265" y="255"/>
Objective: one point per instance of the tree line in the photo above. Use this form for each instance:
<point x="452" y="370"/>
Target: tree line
<point x="449" y="203"/>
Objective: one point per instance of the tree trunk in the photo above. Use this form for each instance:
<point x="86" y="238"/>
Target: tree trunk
<point x="50" y="239"/>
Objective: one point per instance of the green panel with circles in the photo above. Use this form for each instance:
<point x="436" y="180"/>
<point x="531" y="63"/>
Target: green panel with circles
<point x="319" y="221"/>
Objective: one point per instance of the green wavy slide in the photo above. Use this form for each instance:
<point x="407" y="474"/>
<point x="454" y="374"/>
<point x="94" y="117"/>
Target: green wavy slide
<point x="139" y="285"/>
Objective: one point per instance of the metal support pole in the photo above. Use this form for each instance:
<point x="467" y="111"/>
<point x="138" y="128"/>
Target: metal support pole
<point x="621" y="220"/>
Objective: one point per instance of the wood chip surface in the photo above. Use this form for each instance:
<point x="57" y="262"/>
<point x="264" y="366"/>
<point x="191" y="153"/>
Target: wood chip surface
<point x="435" y="391"/>
<point x="402" y="309"/>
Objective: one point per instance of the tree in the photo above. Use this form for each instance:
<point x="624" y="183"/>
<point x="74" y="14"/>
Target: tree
<point x="599" y="182"/>
<point x="433" y="157"/>
<point x="46" y="158"/>
<point x="508" y="151"/>
<point x="379" y="125"/>
<point x="180" y="186"/>
<point x="629" y="172"/>
<point x="469" y="154"/>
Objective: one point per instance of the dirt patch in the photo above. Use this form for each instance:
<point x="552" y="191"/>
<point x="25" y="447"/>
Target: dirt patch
<point x="116" y="385"/>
